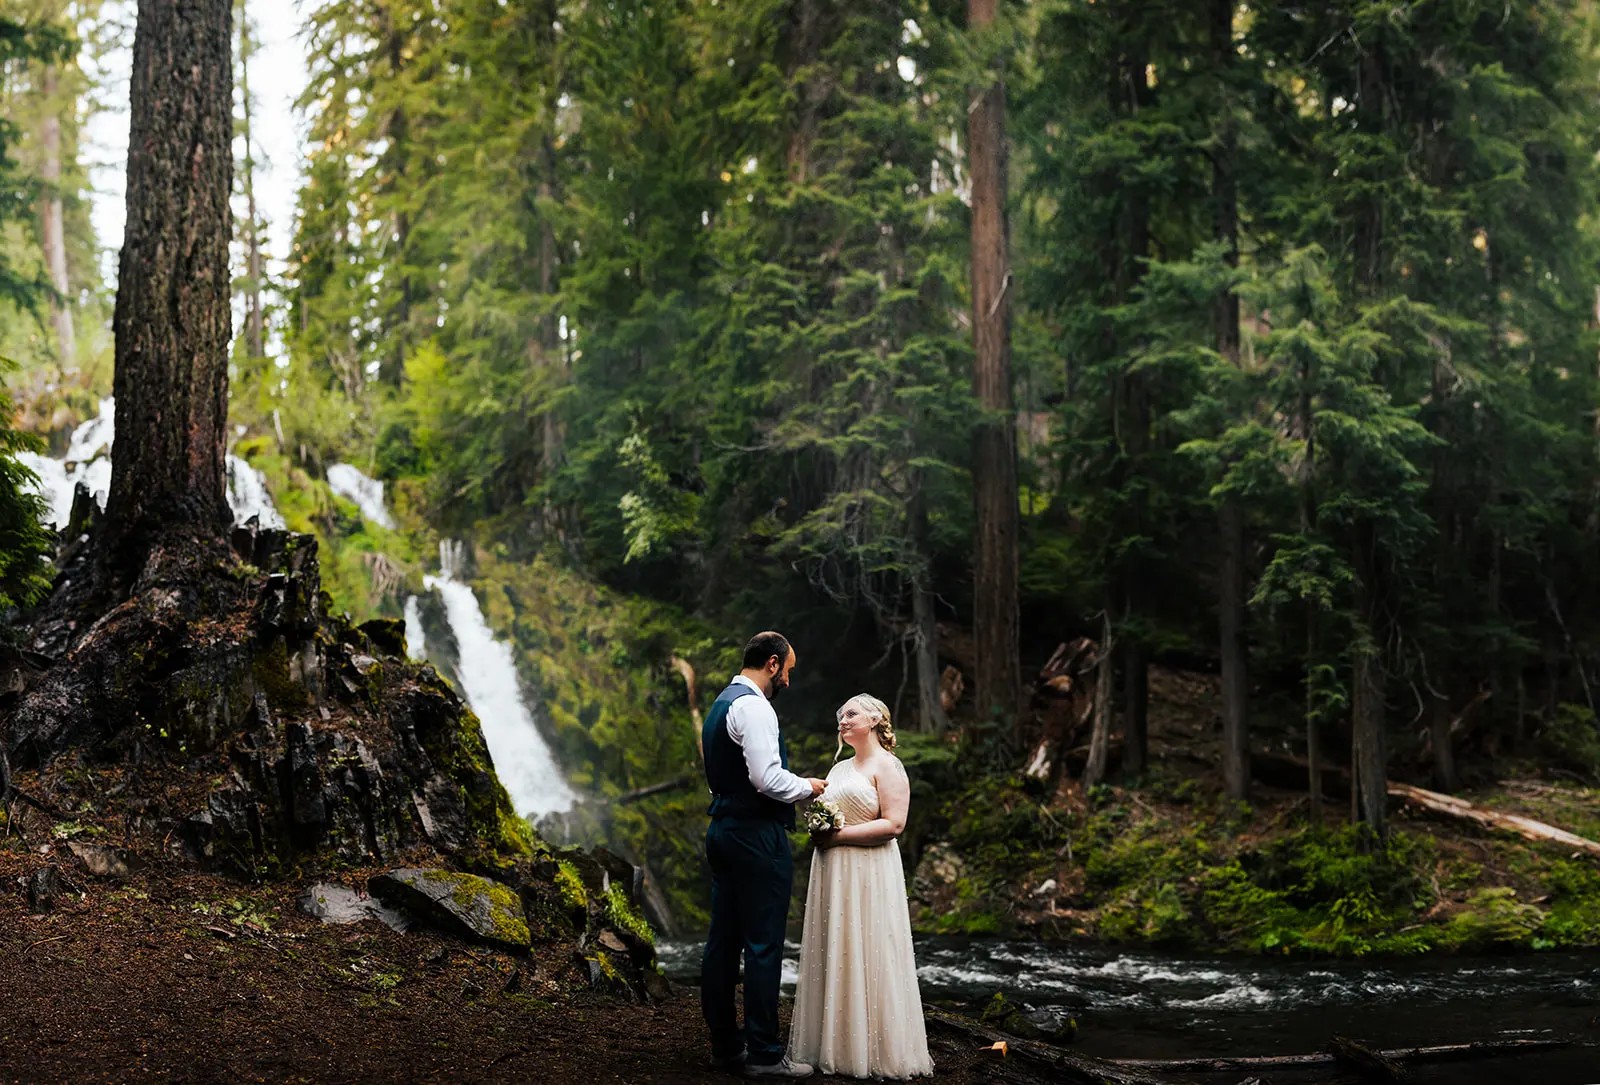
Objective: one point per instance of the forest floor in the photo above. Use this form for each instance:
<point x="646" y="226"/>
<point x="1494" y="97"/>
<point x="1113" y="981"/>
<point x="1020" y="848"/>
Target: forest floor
<point x="168" y="975"/>
<point x="1168" y="859"/>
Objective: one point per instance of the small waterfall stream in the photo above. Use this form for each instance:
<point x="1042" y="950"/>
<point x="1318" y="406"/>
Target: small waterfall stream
<point x="485" y="667"/>
<point x="488" y="674"/>
<point x="367" y="493"/>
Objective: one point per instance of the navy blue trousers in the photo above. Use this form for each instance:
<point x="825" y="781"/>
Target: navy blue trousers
<point x="752" y="873"/>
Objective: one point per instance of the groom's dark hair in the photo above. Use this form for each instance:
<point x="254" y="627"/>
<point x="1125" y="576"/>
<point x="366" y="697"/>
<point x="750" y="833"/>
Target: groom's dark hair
<point x="762" y="647"/>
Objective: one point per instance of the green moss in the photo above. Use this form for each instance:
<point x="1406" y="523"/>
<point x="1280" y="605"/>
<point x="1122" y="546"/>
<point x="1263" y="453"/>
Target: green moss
<point x="622" y="915"/>
<point x="570" y="886"/>
<point x="1492" y="919"/>
<point x="507" y="923"/>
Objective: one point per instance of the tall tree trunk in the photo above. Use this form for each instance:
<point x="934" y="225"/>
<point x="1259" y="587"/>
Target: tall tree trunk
<point x="1447" y="540"/>
<point x="925" y="626"/>
<point x="1308" y="524"/>
<point x="997" y="668"/>
<point x="551" y="358"/>
<point x="1369" y="757"/>
<point x="1230" y="633"/>
<point x="254" y="318"/>
<point x="1230" y="514"/>
<point x="399" y="222"/>
<point x="1094" y="770"/>
<point x="1129" y="95"/>
<point x="172" y="314"/>
<point x="53" y="221"/>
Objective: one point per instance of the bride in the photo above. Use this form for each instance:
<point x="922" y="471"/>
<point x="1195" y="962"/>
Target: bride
<point x="857" y="1010"/>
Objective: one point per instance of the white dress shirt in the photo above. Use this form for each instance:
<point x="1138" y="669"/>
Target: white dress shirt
<point x="753" y="726"/>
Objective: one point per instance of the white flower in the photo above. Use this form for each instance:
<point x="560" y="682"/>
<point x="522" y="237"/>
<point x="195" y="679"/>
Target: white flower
<point x="823" y="816"/>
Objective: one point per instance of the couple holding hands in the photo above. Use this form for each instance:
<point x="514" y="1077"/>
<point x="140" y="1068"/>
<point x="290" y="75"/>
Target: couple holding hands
<point x="857" y="1010"/>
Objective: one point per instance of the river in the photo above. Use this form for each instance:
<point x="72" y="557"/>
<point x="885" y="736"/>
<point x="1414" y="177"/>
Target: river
<point x="1134" y="1004"/>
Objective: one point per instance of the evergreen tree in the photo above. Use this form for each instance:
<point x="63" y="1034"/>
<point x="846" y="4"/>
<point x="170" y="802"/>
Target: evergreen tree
<point x="172" y="315"/>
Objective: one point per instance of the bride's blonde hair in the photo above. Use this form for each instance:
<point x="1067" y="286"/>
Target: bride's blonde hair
<point x="874" y="708"/>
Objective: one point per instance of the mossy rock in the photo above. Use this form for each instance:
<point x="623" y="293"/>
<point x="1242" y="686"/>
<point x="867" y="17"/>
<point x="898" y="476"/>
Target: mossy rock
<point x="463" y="904"/>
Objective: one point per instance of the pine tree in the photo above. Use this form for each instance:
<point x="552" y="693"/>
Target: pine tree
<point x="172" y="316"/>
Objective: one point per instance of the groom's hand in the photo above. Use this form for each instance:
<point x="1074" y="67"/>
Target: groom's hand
<point x="817" y="786"/>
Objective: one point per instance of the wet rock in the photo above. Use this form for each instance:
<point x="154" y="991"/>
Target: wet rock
<point x="339" y="904"/>
<point x="463" y="904"/>
<point x="102" y="861"/>
<point x="44" y="886"/>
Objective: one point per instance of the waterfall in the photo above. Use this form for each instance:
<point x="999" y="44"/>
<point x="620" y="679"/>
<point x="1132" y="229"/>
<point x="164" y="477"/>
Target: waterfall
<point x="88" y="460"/>
<point x="367" y="493"/>
<point x="488" y="674"/>
<point x="248" y="496"/>
<point x="485" y="666"/>
<point x="416" y="640"/>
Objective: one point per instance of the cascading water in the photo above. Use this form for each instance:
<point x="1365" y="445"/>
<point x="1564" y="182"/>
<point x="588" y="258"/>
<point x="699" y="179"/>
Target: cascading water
<point x="88" y="460"/>
<point x="488" y="675"/>
<point x="416" y="640"/>
<point x="367" y="493"/>
<point x="485" y="667"/>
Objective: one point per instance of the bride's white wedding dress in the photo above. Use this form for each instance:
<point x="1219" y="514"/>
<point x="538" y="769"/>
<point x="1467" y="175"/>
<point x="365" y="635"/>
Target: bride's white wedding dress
<point x="857" y="1010"/>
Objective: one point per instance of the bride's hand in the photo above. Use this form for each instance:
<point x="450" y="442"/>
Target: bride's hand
<point x="825" y="840"/>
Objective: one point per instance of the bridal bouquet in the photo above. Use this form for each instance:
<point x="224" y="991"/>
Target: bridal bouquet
<point x="823" y="816"/>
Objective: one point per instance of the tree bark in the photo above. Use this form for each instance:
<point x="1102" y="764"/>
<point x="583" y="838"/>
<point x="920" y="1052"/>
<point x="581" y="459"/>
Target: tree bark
<point x="398" y="133"/>
<point x="924" y="623"/>
<point x="1369" y="756"/>
<point x="1094" y="770"/>
<point x="1129" y="95"/>
<point x="1135" y="707"/>
<point x="1230" y="629"/>
<point x="254" y="318"/>
<point x="53" y="221"/>
<point x="997" y="671"/>
<point x="172" y="314"/>
<point x="1230" y="514"/>
<point x="1308" y="523"/>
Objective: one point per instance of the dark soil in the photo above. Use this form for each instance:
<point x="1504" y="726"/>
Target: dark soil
<point x="175" y="976"/>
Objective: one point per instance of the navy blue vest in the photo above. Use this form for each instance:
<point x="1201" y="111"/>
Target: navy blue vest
<point x="732" y="793"/>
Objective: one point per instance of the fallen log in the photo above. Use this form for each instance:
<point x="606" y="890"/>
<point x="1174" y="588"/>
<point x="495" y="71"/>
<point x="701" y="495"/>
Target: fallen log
<point x="1453" y="807"/>
<point x="1064" y="1066"/>
<point x="1370" y="1064"/>
<point x="1442" y="1053"/>
<point x="653" y="789"/>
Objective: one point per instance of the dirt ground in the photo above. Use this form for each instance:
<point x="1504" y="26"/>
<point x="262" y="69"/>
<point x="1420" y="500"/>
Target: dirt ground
<point x="175" y="976"/>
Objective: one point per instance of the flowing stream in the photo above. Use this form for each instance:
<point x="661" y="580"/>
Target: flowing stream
<point x="1148" y="1005"/>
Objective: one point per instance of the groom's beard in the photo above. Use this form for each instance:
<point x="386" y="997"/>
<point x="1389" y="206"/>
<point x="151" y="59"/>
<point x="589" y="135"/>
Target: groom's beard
<point x="775" y="687"/>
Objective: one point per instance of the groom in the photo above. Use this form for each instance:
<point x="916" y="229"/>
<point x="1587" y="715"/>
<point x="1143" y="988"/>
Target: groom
<point x="747" y="845"/>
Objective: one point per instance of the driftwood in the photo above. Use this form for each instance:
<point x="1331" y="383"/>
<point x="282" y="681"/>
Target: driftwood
<point x="1443" y="1053"/>
<point x="1450" y="806"/>
<point x="1063" y="1066"/>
